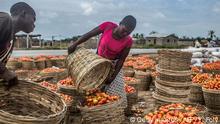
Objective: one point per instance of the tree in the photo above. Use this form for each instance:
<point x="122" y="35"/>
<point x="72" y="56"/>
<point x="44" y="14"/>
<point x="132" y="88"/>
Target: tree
<point x="141" y="36"/>
<point x="211" y="34"/>
<point x="185" y="37"/>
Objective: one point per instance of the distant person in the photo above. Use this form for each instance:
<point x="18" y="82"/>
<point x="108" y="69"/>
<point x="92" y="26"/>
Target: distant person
<point x="114" y="44"/>
<point x="22" y="18"/>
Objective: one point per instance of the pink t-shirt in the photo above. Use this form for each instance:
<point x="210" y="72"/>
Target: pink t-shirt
<point x="109" y="47"/>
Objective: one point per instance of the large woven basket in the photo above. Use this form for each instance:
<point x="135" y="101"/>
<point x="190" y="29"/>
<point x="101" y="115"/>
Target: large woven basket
<point x="89" y="69"/>
<point x="144" y="78"/>
<point x="30" y="103"/>
<point x="131" y="100"/>
<point x="104" y="114"/>
<point x="60" y="63"/>
<point x="13" y="65"/>
<point x="40" y="64"/>
<point x="173" y="84"/>
<point x="211" y="71"/>
<point x="167" y="99"/>
<point x="212" y="100"/>
<point x="128" y="72"/>
<point x="174" y="76"/>
<point x="174" y="60"/>
<point x="196" y="94"/>
<point x="28" y="65"/>
<point x="49" y="63"/>
<point x="22" y="74"/>
<point x="56" y="75"/>
<point x="174" y="92"/>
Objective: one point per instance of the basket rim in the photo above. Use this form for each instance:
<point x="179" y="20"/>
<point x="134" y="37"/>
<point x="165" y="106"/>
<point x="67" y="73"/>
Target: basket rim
<point x="170" y="100"/>
<point x="196" y="85"/>
<point x="95" y="63"/>
<point x="42" y="118"/>
<point x="172" y="72"/>
<point x="177" y="84"/>
<point x="210" y="90"/>
<point x="169" y="90"/>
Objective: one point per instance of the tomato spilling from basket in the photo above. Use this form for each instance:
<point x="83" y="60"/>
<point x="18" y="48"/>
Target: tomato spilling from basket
<point x="67" y="82"/>
<point x="174" y="114"/>
<point x="96" y="97"/>
<point x="52" y="87"/>
<point x="130" y="79"/>
<point x="129" y="89"/>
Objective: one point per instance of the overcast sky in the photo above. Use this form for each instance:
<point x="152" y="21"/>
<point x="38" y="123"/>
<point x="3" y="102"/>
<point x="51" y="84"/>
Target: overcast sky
<point x="67" y="18"/>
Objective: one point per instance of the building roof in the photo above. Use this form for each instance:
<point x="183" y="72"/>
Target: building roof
<point x="158" y="35"/>
<point x="25" y="35"/>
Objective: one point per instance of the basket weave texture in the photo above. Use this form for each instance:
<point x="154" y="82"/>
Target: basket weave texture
<point x="89" y="69"/>
<point x="196" y="94"/>
<point x="104" y="114"/>
<point x="30" y="103"/>
<point x="174" y="60"/>
<point x="212" y="100"/>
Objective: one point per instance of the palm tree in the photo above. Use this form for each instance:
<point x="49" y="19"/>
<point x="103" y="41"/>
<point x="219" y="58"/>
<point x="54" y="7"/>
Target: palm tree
<point x="211" y="34"/>
<point x="141" y="36"/>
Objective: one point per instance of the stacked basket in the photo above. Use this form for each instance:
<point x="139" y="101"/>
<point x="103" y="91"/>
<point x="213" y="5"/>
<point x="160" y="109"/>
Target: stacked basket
<point x="144" y="78"/>
<point x="174" y="80"/>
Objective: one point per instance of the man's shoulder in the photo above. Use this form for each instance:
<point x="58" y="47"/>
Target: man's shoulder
<point x="4" y="15"/>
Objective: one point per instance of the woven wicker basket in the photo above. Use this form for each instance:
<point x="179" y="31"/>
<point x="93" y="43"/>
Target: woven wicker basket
<point x="89" y="69"/>
<point x="30" y="103"/>
<point x="56" y="75"/>
<point x="211" y="71"/>
<point x="169" y="99"/>
<point x="105" y="114"/>
<point x="49" y="63"/>
<point x="212" y="100"/>
<point x="60" y="63"/>
<point x="131" y="100"/>
<point x="174" y="76"/>
<point x="128" y="72"/>
<point x="13" y="65"/>
<point x="144" y="78"/>
<point x="200" y="113"/>
<point x="133" y="84"/>
<point x="196" y="94"/>
<point x="40" y="64"/>
<point x="174" y="92"/>
<point x="28" y="65"/>
<point x="173" y="84"/>
<point x="174" y="60"/>
<point x="21" y="74"/>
